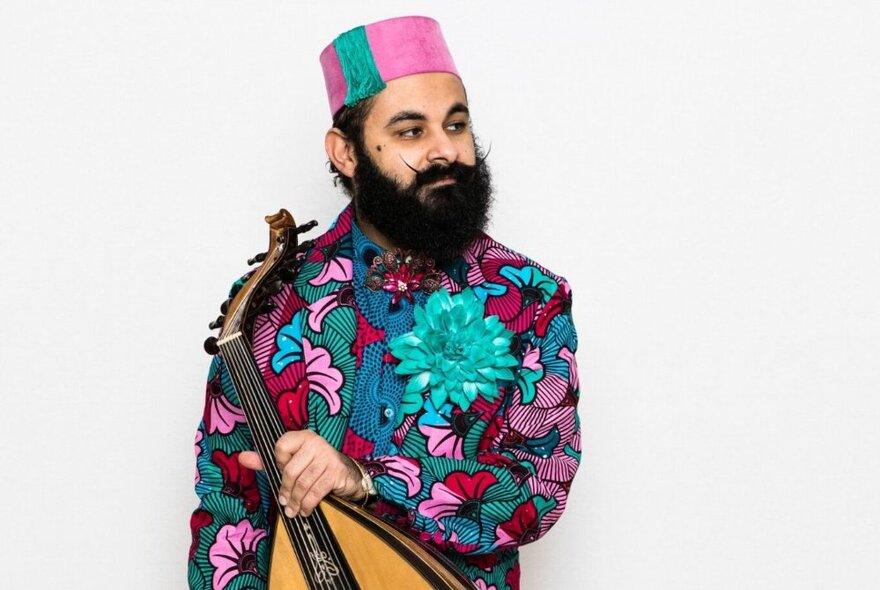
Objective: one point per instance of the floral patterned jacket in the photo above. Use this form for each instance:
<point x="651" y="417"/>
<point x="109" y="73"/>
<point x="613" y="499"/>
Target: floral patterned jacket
<point x="476" y="483"/>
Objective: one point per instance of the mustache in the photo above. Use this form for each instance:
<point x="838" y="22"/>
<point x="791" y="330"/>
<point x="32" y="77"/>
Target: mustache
<point x="458" y="171"/>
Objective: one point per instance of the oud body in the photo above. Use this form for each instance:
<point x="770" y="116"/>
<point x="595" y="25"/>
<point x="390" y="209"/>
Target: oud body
<point x="378" y="555"/>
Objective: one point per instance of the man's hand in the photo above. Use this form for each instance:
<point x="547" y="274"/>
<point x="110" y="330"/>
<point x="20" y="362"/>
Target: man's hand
<point x="310" y="469"/>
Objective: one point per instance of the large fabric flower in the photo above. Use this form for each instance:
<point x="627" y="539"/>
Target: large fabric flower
<point x="453" y="352"/>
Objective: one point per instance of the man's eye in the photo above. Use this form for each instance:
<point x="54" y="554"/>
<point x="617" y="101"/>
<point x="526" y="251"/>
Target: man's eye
<point x="413" y="132"/>
<point x="457" y="126"/>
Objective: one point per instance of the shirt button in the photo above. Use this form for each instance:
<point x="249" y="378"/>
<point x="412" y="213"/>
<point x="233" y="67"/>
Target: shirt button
<point x="388" y="413"/>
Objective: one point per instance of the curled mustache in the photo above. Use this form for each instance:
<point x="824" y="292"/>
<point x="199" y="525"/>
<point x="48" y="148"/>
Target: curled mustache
<point x="458" y="171"/>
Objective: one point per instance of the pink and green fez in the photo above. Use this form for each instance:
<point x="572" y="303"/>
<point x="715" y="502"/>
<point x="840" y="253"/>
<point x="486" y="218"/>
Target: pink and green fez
<point x="359" y="62"/>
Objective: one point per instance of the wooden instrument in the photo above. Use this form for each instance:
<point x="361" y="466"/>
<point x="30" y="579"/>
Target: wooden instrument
<point x="340" y="545"/>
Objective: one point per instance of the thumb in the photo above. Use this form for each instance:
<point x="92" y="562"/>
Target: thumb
<point x="251" y="460"/>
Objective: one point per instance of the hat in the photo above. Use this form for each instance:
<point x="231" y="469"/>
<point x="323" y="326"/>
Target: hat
<point x="359" y="62"/>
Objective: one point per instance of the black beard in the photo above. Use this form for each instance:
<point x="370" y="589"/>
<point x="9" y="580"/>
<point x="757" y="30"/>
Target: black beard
<point x="439" y="222"/>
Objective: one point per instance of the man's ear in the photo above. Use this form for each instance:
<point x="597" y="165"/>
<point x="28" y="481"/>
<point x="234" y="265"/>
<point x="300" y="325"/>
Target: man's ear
<point x="340" y="151"/>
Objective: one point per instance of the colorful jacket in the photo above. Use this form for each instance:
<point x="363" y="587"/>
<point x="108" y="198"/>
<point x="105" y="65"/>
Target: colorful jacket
<point x="476" y="484"/>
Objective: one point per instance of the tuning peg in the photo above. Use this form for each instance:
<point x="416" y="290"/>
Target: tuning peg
<point x="257" y="258"/>
<point x="267" y="307"/>
<point x="218" y="323"/>
<point x="303" y="246"/>
<point x="224" y="307"/>
<point x="211" y="346"/>
<point x="306" y="227"/>
<point x="287" y="274"/>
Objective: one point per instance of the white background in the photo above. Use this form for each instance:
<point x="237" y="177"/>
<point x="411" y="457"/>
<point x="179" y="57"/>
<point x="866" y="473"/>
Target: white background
<point x="704" y="173"/>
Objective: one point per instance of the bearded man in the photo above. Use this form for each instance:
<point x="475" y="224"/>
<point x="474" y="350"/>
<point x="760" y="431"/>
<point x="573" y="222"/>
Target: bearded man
<point x="419" y="366"/>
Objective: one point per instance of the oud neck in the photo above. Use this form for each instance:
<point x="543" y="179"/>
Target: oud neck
<point x="263" y="420"/>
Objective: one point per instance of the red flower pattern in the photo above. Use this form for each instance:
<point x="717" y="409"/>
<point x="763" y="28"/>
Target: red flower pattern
<point x="199" y="520"/>
<point x="523" y="527"/>
<point x="238" y="481"/>
<point x="459" y="488"/>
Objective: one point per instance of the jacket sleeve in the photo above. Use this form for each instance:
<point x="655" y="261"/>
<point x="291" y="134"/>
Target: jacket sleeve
<point x="514" y="487"/>
<point x="230" y="527"/>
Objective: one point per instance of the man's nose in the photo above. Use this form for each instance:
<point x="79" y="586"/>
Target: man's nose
<point x="442" y="149"/>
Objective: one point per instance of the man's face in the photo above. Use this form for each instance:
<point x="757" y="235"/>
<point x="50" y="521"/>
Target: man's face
<point x="418" y="121"/>
<point x="418" y="179"/>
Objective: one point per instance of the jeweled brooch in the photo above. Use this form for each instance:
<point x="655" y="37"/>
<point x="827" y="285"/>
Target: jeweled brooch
<point x="402" y="274"/>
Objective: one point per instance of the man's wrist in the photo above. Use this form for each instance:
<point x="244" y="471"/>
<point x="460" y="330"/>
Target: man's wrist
<point x="368" y="490"/>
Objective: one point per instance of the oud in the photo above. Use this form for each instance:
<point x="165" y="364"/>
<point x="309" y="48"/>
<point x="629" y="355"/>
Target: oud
<point x="340" y="545"/>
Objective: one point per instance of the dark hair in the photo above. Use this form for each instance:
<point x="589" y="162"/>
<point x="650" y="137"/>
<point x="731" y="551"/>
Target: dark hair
<point x="350" y="120"/>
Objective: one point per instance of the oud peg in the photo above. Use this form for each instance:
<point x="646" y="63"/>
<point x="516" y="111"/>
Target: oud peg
<point x="224" y="307"/>
<point x="287" y="274"/>
<point x="257" y="258"/>
<point x="303" y="246"/>
<point x="211" y="346"/>
<point x="218" y="323"/>
<point x="301" y="229"/>
<point x="267" y="307"/>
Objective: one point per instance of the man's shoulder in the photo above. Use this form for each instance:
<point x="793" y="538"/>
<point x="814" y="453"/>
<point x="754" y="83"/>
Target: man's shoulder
<point x="490" y="254"/>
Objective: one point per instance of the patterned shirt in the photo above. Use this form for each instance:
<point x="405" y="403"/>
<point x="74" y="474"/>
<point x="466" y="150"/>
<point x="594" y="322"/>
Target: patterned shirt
<point x="475" y="478"/>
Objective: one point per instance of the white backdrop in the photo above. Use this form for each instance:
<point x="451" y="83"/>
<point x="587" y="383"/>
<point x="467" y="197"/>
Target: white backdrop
<point x="704" y="173"/>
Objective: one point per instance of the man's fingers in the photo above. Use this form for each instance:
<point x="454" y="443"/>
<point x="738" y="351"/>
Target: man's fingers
<point x="310" y="470"/>
<point x="292" y="471"/>
<point x="310" y="482"/>
<point x="320" y="490"/>
<point x="290" y="444"/>
<point x="251" y="460"/>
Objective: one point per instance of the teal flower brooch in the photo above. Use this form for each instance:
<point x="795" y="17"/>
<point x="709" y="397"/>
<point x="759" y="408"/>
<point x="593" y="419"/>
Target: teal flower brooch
<point x="453" y="352"/>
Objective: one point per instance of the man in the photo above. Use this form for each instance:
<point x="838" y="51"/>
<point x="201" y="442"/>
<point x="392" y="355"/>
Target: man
<point x="413" y="358"/>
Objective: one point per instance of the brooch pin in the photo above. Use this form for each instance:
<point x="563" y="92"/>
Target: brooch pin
<point x="402" y="274"/>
